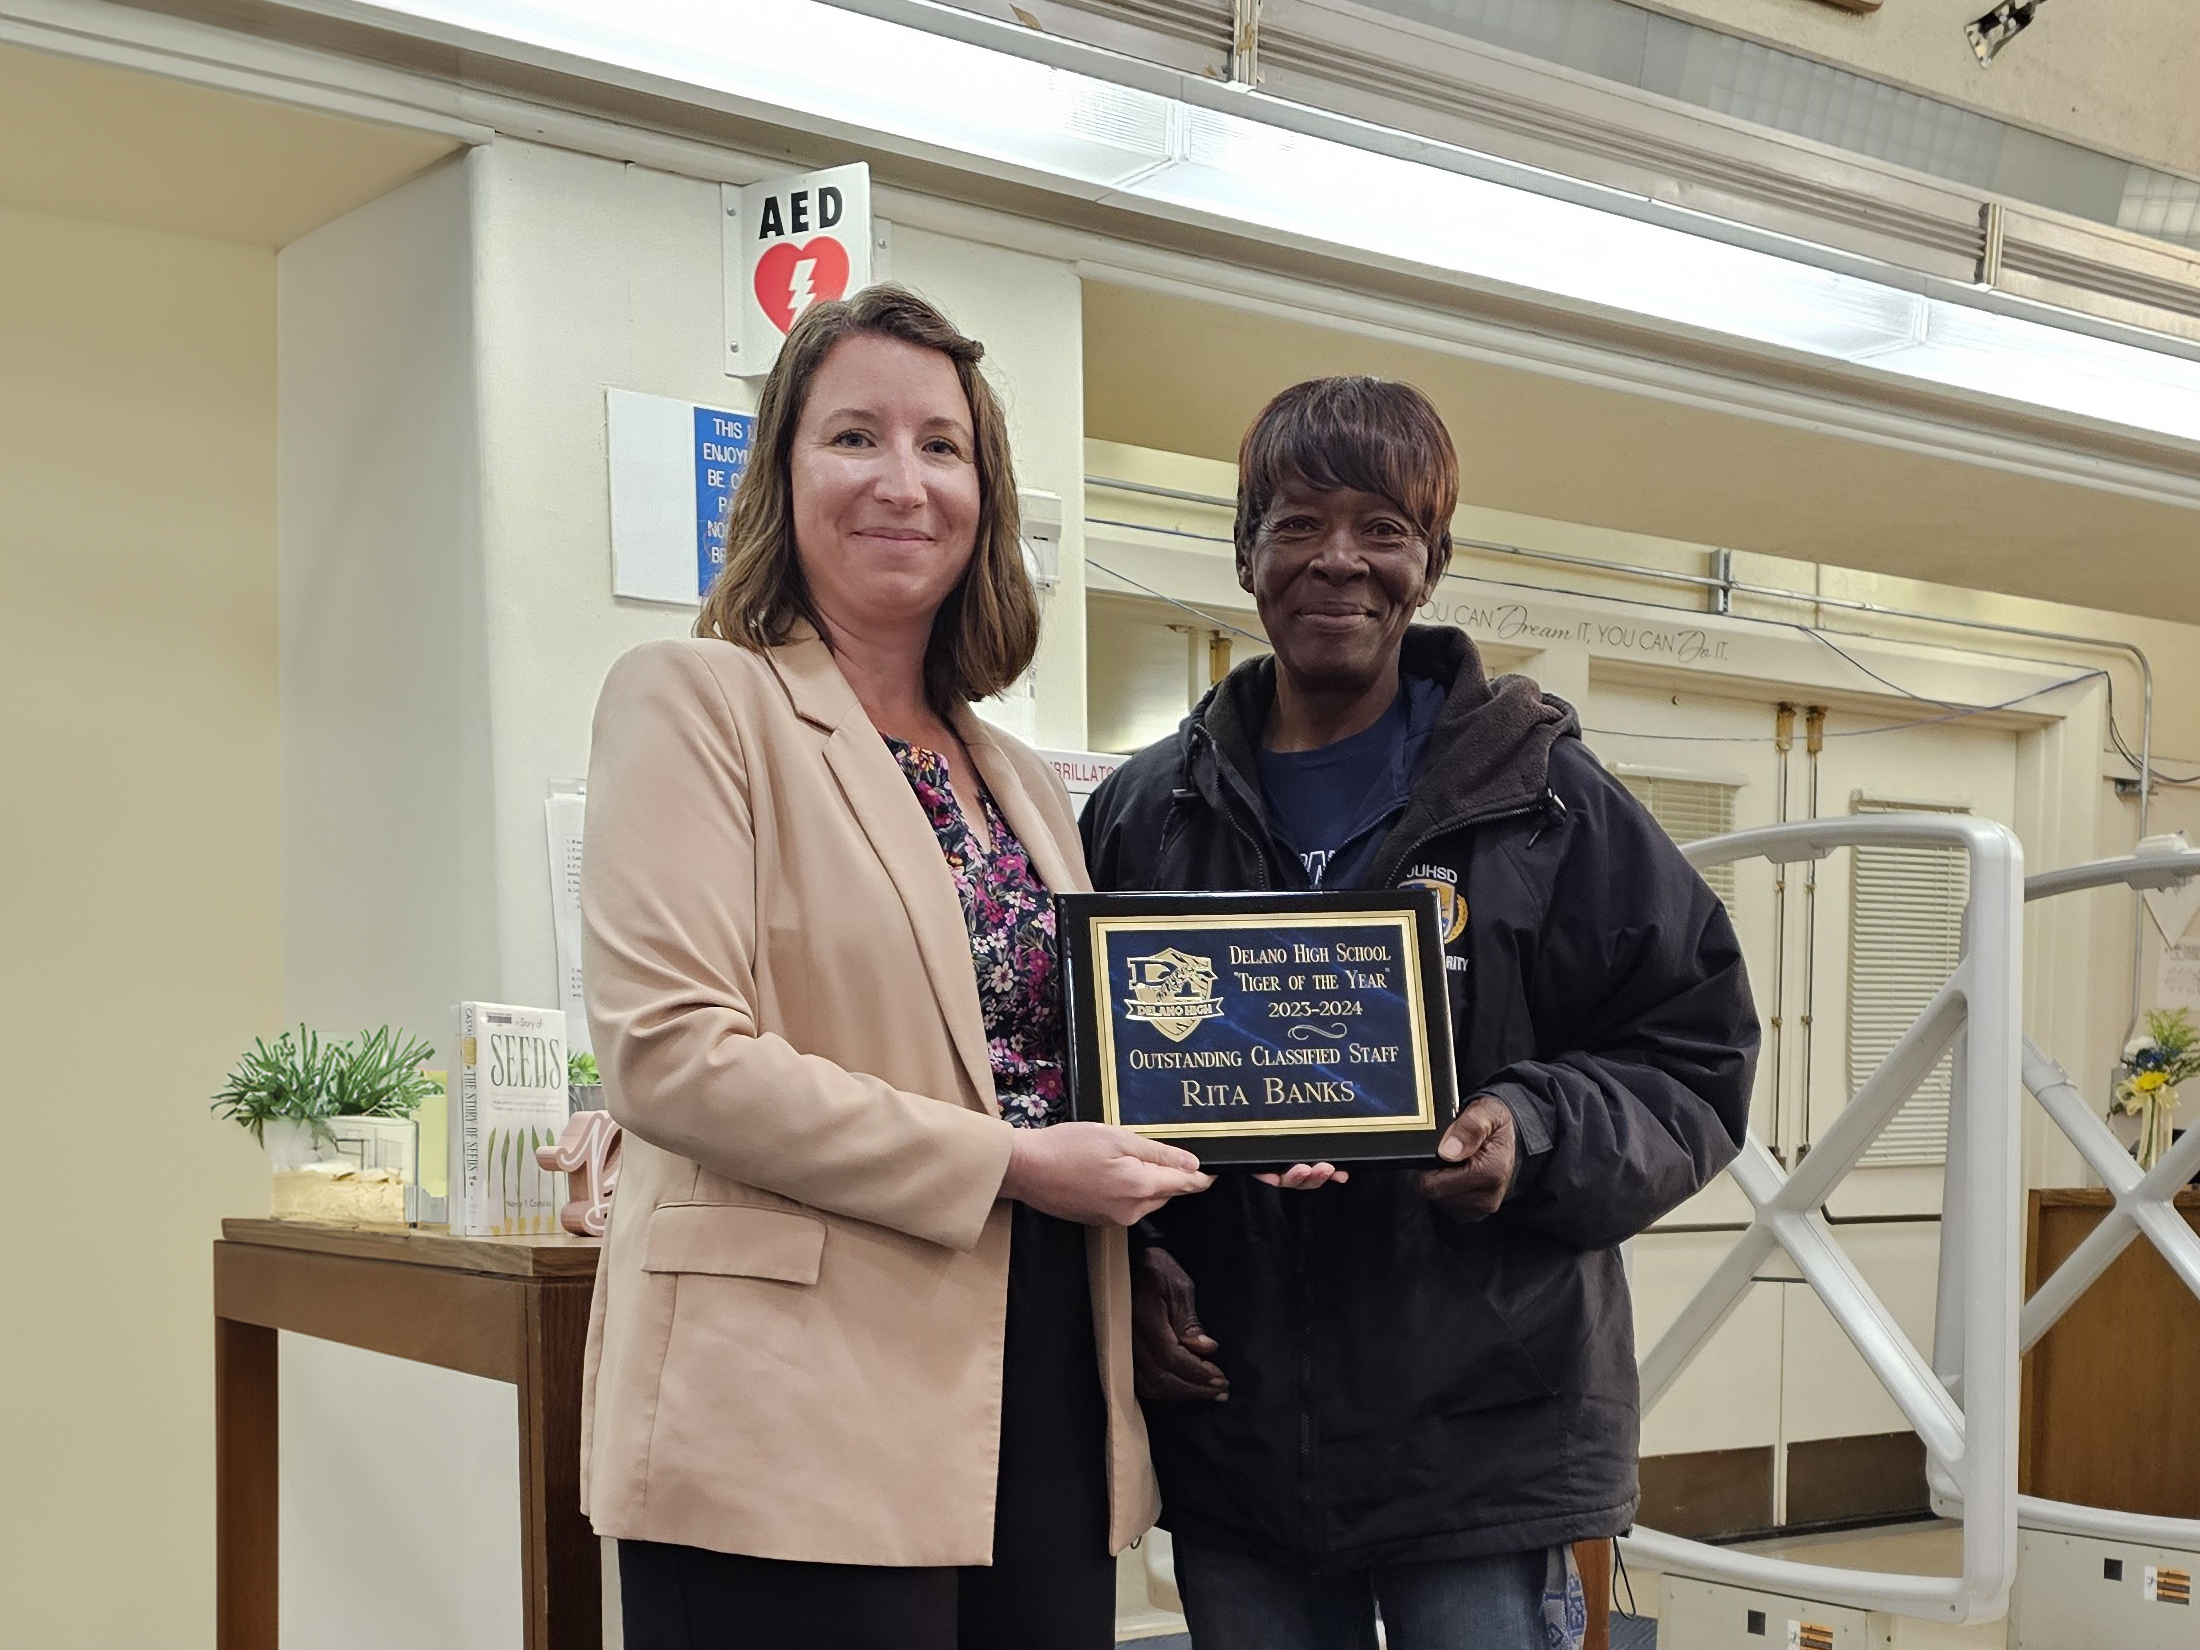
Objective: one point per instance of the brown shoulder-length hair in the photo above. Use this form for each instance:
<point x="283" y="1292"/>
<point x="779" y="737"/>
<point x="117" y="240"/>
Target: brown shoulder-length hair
<point x="985" y="633"/>
<point x="1373" y="434"/>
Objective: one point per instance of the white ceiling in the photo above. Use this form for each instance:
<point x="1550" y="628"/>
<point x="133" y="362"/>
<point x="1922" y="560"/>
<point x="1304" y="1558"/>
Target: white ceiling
<point x="1184" y="376"/>
<point x="83" y="140"/>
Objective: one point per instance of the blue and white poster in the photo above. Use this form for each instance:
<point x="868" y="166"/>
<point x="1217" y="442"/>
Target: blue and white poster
<point x="721" y="454"/>
<point x="674" y="466"/>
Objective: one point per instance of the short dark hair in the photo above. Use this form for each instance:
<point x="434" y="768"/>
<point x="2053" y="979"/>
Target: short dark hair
<point x="985" y="633"/>
<point x="1372" y="434"/>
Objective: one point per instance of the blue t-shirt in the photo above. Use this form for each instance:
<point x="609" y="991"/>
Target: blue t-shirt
<point x="1332" y="805"/>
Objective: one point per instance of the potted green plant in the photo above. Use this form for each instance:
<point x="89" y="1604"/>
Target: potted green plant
<point x="583" y="1083"/>
<point x="331" y="1112"/>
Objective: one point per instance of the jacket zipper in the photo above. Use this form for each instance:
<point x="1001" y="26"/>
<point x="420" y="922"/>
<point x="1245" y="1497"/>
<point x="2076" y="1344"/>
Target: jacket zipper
<point x="1229" y="805"/>
<point x="1310" y="1537"/>
<point x="1543" y="804"/>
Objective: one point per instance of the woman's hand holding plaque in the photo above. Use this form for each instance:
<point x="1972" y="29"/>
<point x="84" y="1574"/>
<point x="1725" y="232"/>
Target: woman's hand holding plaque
<point x="1097" y="1174"/>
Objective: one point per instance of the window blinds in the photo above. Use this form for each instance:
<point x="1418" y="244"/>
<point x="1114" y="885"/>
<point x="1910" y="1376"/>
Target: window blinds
<point x="1905" y="939"/>
<point x="1690" y="810"/>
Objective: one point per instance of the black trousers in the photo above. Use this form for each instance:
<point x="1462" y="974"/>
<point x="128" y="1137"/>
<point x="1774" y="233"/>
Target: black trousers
<point x="1051" y="1585"/>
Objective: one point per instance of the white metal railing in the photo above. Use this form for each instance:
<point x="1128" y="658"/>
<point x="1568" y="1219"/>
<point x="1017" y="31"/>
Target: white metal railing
<point x="1972" y="1442"/>
<point x="2143" y="1206"/>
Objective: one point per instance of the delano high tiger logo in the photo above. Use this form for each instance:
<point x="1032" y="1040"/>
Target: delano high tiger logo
<point x="1172" y="991"/>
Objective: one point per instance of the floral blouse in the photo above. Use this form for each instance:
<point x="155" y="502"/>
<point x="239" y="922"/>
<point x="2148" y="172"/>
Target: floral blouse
<point x="1010" y="916"/>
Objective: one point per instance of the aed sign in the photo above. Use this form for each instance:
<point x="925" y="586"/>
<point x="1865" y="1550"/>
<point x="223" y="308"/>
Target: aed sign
<point x="790" y="243"/>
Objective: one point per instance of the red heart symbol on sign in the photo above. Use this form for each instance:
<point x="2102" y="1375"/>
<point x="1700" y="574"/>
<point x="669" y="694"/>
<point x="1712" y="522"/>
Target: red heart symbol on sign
<point x="790" y="278"/>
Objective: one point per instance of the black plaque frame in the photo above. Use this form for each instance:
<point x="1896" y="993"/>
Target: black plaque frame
<point x="1273" y="1145"/>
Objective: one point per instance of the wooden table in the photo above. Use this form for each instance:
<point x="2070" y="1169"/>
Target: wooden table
<point x="513" y="1309"/>
<point x="2108" y="1417"/>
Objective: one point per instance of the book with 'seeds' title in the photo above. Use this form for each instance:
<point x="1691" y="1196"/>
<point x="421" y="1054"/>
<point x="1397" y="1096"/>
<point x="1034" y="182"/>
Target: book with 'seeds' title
<point x="508" y="1100"/>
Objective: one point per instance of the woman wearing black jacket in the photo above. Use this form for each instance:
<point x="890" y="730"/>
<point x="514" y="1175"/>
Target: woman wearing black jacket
<point x="1413" y="1389"/>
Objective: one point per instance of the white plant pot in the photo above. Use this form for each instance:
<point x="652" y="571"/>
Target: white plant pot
<point x="350" y="1172"/>
<point x="290" y="1145"/>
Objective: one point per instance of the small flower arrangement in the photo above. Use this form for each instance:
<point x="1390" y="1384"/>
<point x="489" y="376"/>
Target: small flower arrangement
<point x="2153" y="1067"/>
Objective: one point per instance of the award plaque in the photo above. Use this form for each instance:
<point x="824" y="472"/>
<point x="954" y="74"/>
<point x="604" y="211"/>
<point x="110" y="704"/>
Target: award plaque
<point x="1261" y="1030"/>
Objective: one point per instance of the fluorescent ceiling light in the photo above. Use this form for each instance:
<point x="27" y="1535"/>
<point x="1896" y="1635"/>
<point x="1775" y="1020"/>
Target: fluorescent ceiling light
<point x="850" y="70"/>
<point x="1316" y="188"/>
<point x="1096" y="139"/>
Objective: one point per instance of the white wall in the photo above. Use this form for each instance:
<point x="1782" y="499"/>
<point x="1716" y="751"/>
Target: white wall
<point x="2113" y="77"/>
<point x="399" y="1503"/>
<point x="139" y="926"/>
<point x="395" y="1478"/>
<point x="589" y="273"/>
<point x="389" y="874"/>
<point x="1027" y="312"/>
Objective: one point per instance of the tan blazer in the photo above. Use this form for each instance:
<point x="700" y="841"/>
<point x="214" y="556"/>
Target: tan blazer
<point x="795" y="1346"/>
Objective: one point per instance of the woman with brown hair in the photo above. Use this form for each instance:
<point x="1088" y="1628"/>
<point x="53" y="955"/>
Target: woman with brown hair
<point x="856" y="1376"/>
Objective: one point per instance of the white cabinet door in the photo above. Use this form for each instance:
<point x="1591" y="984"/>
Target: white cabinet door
<point x="1949" y="765"/>
<point x="1822" y="951"/>
<point x="1730" y="1397"/>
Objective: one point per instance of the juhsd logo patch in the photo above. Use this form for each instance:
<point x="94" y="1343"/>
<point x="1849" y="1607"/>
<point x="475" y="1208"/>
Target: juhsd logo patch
<point x="1451" y="905"/>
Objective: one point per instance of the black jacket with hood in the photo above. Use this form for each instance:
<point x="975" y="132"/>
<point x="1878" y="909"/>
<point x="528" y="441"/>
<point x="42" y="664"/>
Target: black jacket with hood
<point x="1405" y="1386"/>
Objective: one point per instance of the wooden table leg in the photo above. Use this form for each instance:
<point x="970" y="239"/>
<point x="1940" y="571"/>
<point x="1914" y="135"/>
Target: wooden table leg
<point x="1595" y="1561"/>
<point x="245" y="1462"/>
<point x="561" y="1559"/>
